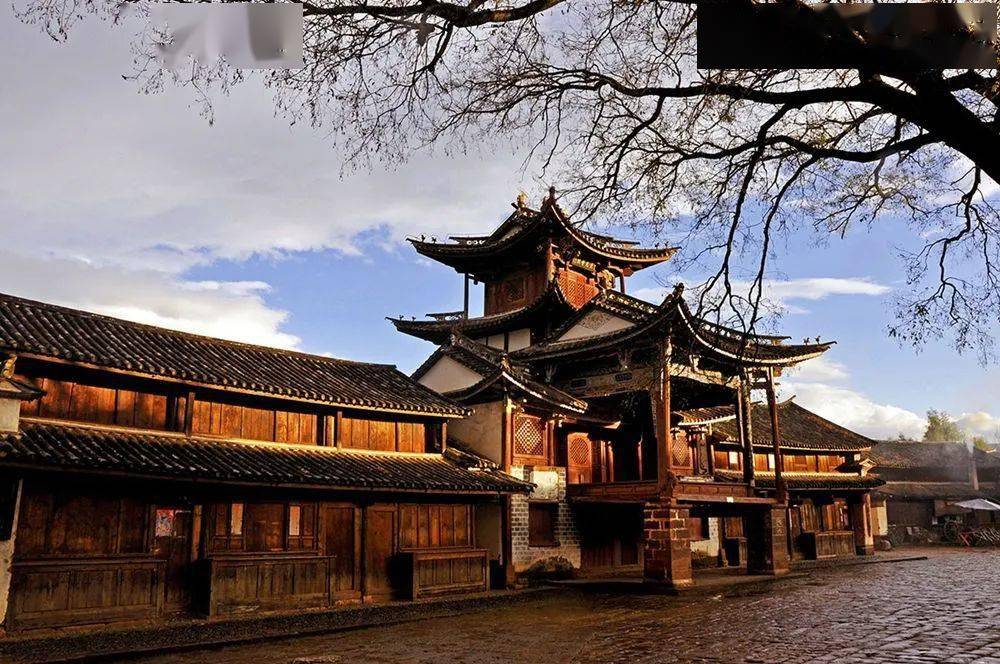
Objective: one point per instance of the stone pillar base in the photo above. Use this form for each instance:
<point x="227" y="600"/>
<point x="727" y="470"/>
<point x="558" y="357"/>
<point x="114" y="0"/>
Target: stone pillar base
<point x="767" y="541"/>
<point x="667" y="550"/>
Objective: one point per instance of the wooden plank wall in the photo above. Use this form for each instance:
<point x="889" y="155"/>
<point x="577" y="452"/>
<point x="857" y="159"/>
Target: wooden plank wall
<point x="432" y="526"/>
<point x="382" y="435"/>
<point x="68" y="400"/>
<point x="238" y="421"/>
<point x="812" y="463"/>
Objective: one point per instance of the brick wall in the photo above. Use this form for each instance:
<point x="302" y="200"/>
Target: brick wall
<point x="566" y="530"/>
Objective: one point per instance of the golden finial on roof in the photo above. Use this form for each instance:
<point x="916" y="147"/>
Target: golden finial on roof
<point x="522" y="200"/>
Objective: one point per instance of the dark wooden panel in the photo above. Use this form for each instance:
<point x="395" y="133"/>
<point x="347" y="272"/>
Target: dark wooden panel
<point x="379" y="550"/>
<point x="446" y="571"/>
<point x="84" y="590"/>
<point x="68" y="400"/>
<point x="340" y="544"/>
<point x="247" y="584"/>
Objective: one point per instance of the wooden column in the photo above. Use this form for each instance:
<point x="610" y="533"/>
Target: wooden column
<point x="188" y="413"/>
<point x="744" y="409"/>
<point x="338" y="429"/>
<point x="661" y="419"/>
<point x="861" y="523"/>
<point x="465" y="306"/>
<point x="781" y="491"/>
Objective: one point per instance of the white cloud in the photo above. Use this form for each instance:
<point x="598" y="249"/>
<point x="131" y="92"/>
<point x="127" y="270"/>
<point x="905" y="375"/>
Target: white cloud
<point x="231" y="310"/>
<point x="820" y="369"/>
<point x="779" y="293"/>
<point x="979" y="423"/>
<point x="109" y="197"/>
<point x="818" y="288"/>
<point x="855" y="410"/>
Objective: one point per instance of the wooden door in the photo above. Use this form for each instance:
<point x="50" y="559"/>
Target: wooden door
<point x="379" y="550"/>
<point x="342" y="534"/>
<point x="172" y="543"/>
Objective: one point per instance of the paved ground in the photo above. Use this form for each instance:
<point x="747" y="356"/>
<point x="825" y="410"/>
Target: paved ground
<point x="945" y="609"/>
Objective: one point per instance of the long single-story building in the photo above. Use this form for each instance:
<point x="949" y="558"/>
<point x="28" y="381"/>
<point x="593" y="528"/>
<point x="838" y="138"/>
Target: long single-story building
<point x="924" y="480"/>
<point x="148" y="474"/>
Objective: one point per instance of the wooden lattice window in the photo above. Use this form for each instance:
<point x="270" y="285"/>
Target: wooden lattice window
<point x="579" y="450"/>
<point x="578" y="458"/>
<point x="529" y="436"/>
<point x="576" y="288"/>
<point x="513" y="289"/>
<point x="680" y="450"/>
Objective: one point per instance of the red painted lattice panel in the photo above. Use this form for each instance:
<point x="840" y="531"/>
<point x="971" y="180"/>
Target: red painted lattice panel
<point x="529" y="436"/>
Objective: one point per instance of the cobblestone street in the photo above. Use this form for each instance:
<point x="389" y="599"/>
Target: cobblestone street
<point x="944" y="609"/>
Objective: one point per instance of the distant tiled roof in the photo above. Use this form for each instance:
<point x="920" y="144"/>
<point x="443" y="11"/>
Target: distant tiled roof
<point x="932" y="490"/>
<point x="908" y="454"/>
<point x="987" y="459"/>
<point x="800" y="428"/>
<point x="49" y="331"/>
<point x="167" y="456"/>
<point x="807" y="481"/>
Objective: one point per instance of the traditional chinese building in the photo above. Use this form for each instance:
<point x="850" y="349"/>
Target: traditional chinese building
<point x="605" y="403"/>
<point x="147" y="474"/>
<point x="825" y="470"/>
<point x="924" y="480"/>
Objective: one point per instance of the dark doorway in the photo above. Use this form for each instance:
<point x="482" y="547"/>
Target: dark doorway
<point x="172" y="543"/>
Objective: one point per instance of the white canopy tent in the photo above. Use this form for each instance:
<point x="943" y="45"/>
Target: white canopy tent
<point x="979" y="504"/>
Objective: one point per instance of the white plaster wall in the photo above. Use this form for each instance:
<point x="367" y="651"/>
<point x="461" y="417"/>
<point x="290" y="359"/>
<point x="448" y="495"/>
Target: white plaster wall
<point x="10" y="411"/>
<point x="482" y="430"/>
<point x="7" y="559"/>
<point x="495" y="341"/>
<point x="518" y="339"/>
<point x="566" y="531"/>
<point x="596" y="322"/>
<point x="710" y="546"/>
<point x="447" y="375"/>
<point x="880" y="519"/>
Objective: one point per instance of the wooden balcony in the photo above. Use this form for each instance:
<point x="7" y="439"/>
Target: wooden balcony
<point x="645" y="490"/>
<point x="638" y="491"/>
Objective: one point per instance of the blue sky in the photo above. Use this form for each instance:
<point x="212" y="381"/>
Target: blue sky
<point x="133" y="205"/>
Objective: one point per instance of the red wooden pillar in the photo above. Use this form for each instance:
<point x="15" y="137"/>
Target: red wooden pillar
<point x="781" y="491"/>
<point x="661" y="418"/>
<point x="861" y="524"/>
<point x="744" y="408"/>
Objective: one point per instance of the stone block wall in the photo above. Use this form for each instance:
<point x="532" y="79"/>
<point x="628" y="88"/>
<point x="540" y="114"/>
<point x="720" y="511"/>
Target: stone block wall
<point x="567" y="534"/>
<point x="667" y="556"/>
